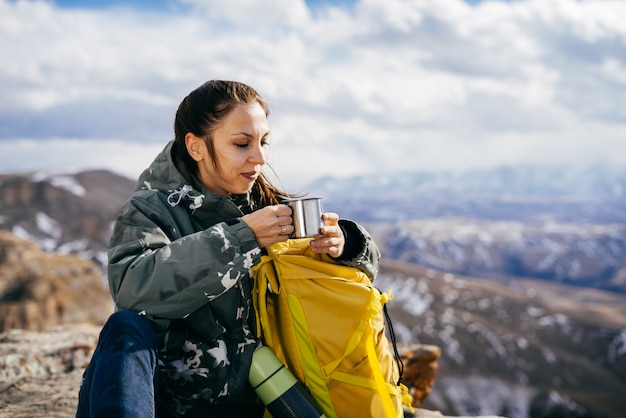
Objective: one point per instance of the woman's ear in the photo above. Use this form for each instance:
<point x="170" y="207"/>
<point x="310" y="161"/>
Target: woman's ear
<point x="195" y="146"/>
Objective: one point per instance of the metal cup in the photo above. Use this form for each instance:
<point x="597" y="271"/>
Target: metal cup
<point x="307" y="216"/>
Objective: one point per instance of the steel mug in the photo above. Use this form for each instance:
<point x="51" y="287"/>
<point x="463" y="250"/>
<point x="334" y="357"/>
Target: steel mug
<point x="307" y="216"/>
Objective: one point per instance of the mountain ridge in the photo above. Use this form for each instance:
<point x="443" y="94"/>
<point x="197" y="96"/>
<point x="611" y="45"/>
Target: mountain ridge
<point x="529" y="181"/>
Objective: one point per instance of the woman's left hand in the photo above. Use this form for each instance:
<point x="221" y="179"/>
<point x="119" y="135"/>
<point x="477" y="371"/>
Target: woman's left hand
<point x="332" y="240"/>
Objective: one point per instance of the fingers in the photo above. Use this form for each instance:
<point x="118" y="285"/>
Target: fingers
<point x="332" y="246"/>
<point x="274" y="224"/>
<point x="331" y="225"/>
<point x="330" y="218"/>
<point x="281" y="210"/>
<point x="332" y="240"/>
<point x="283" y="220"/>
<point x="286" y="229"/>
<point x="270" y="224"/>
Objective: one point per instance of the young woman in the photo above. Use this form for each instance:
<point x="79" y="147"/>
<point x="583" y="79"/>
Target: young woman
<point x="180" y="260"/>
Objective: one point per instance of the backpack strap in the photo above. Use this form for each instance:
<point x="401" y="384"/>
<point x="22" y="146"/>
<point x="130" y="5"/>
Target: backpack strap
<point x="315" y="379"/>
<point x="380" y="380"/>
<point x="264" y="277"/>
<point x="406" y="397"/>
<point x="392" y="335"/>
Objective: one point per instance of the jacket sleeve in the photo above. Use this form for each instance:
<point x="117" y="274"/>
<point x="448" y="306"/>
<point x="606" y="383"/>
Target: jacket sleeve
<point x="361" y="251"/>
<point x="154" y="270"/>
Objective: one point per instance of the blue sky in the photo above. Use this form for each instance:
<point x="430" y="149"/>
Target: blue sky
<point x="167" y="4"/>
<point x="355" y="87"/>
<point x="170" y="4"/>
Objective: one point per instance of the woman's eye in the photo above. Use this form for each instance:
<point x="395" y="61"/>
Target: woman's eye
<point x="264" y="143"/>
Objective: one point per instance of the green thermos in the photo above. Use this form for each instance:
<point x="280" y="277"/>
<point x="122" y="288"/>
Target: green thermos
<point x="278" y="389"/>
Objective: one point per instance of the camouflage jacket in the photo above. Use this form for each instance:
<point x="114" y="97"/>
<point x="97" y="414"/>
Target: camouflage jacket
<point x="182" y="256"/>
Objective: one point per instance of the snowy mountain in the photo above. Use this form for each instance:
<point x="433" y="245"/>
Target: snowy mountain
<point x="589" y="255"/>
<point x="480" y="264"/>
<point x="67" y="213"/>
<point x="527" y="181"/>
<point x="565" y="226"/>
<point x="526" y="194"/>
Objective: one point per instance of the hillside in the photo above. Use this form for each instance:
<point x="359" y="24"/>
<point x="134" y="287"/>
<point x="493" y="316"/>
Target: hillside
<point x="559" y="350"/>
<point x="585" y="255"/>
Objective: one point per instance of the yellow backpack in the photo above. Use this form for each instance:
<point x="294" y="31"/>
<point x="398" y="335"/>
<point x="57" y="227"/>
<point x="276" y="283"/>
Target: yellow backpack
<point x="325" y="322"/>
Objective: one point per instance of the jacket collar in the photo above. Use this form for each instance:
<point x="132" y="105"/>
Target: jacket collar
<point x="183" y="189"/>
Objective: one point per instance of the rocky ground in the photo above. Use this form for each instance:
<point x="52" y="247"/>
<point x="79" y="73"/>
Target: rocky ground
<point x="40" y="372"/>
<point x="33" y="397"/>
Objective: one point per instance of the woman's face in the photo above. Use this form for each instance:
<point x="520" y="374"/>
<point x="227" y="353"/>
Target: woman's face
<point x="240" y="144"/>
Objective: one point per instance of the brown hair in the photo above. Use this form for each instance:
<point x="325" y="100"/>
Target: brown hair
<point x="201" y="112"/>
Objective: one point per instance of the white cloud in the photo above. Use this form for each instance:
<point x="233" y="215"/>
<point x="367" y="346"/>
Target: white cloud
<point x="70" y="155"/>
<point x="256" y="15"/>
<point x="614" y="70"/>
<point x="383" y="86"/>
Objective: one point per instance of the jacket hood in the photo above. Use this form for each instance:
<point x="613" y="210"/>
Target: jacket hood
<point x="182" y="188"/>
<point x="163" y="174"/>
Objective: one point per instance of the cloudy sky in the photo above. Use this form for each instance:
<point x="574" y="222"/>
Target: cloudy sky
<point x="354" y="86"/>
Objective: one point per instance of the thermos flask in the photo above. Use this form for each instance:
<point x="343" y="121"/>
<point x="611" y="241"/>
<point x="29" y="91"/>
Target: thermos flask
<point x="278" y="389"/>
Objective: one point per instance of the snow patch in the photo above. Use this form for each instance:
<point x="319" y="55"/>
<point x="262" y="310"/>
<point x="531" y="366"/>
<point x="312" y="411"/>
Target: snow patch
<point x="62" y="181"/>
<point x="73" y="247"/>
<point x="48" y="226"/>
<point x="556" y="399"/>
<point x="21" y="232"/>
<point x="474" y="395"/>
<point x="617" y="347"/>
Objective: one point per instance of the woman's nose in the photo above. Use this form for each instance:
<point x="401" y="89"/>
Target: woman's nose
<point x="258" y="154"/>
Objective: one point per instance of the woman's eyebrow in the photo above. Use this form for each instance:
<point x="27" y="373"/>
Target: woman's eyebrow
<point x="247" y="134"/>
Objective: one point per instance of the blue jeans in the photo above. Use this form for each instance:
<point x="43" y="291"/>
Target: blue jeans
<point x="121" y="379"/>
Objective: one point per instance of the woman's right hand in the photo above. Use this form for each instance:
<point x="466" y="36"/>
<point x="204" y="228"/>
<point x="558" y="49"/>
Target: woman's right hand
<point x="270" y="224"/>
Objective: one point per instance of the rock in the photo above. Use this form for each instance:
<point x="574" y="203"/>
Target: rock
<point x="420" y="369"/>
<point x="38" y="289"/>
